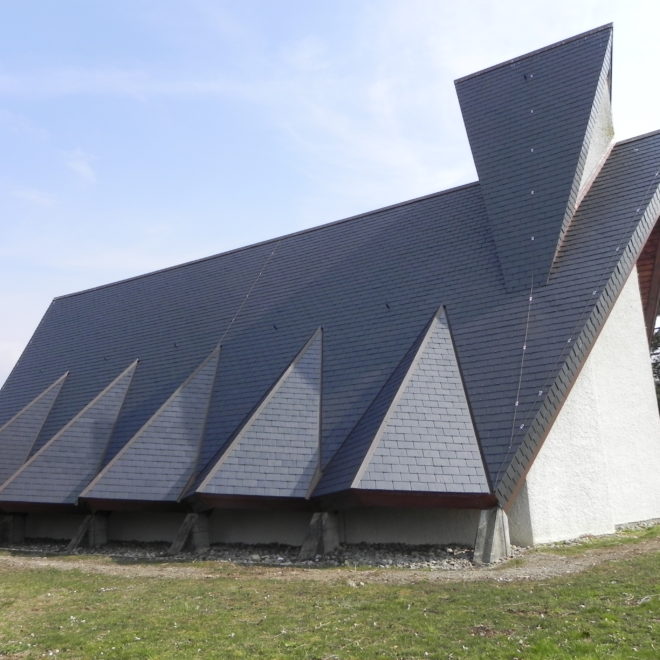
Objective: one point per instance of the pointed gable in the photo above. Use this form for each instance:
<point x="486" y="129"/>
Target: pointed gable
<point x="340" y="472"/>
<point x="427" y="441"/>
<point x="421" y="436"/>
<point x="156" y="464"/>
<point x="19" y="434"/>
<point x="533" y="124"/>
<point x="276" y="453"/>
<point x="59" y="471"/>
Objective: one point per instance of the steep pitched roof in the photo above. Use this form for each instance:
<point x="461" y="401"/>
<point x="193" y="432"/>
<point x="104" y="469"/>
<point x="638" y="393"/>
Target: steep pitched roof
<point x="601" y="247"/>
<point x="374" y="284"/>
<point x="157" y="463"/>
<point x="18" y="435"/>
<point x="276" y="453"/>
<point x="417" y="435"/>
<point x="427" y="441"/>
<point x="60" y="470"/>
<point x="531" y="123"/>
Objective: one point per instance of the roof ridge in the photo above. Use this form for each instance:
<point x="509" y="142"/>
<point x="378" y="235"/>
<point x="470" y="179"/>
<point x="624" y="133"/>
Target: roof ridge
<point x="637" y="137"/>
<point x="275" y="239"/>
<point x="519" y="58"/>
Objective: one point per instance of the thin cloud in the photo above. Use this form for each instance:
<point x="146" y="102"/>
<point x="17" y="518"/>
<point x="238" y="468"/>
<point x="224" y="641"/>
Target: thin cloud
<point x="308" y="54"/>
<point x="380" y="122"/>
<point x="117" y="82"/>
<point x="21" y="125"/>
<point x="34" y="197"/>
<point x="80" y="164"/>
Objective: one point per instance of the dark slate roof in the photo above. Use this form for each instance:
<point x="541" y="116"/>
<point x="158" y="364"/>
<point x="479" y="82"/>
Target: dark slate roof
<point x="19" y="434"/>
<point x="527" y="123"/>
<point x="276" y="453"/>
<point x="427" y="442"/>
<point x="157" y="463"/>
<point x="60" y="470"/>
<point x="374" y="284"/>
<point x="340" y="473"/>
<point x="418" y="433"/>
<point x="601" y="247"/>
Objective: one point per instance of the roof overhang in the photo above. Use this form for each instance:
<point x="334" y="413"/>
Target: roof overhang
<point x="648" y="271"/>
<point x="41" y="507"/>
<point x="99" y="504"/>
<point x="204" y="502"/>
<point x="357" y="498"/>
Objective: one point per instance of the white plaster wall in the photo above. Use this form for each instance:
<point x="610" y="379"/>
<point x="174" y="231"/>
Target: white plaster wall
<point x="600" y="463"/>
<point x="245" y="526"/>
<point x="57" y="526"/>
<point x="144" y="526"/>
<point x="565" y="494"/>
<point x="628" y="409"/>
<point x="409" y="526"/>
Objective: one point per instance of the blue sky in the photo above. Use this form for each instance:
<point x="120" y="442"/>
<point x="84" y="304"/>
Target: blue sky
<point x="137" y="134"/>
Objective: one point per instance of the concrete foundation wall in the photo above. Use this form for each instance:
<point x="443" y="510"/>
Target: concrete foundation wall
<point x="410" y="526"/>
<point x="144" y="526"/>
<point x="243" y="526"/>
<point x="414" y="527"/>
<point x="58" y="526"/>
<point x="600" y="463"/>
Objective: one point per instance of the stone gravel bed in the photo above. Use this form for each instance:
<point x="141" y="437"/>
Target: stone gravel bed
<point x="445" y="557"/>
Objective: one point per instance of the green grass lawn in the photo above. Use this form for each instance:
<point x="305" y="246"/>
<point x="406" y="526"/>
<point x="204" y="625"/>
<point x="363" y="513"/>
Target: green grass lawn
<point x="624" y="537"/>
<point x="612" y="610"/>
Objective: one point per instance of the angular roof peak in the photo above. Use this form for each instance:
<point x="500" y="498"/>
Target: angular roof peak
<point x="157" y="462"/>
<point x="607" y="27"/>
<point x="538" y="127"/>
<point x="18" y="435"/>
<point x="60" y="470"/>
<point x="277" y="451"/>
<point x="401" y="444"/>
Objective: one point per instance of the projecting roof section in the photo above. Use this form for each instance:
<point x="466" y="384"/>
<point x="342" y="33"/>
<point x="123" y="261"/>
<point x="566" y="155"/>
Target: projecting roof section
<point x="59" y="471"/>
<point x="340" y="473"/>
<point x="156" y="464"/>
<point x="427" y="442"/>
<point x="420" y="430"/>
<point x="533" y="123"/>
<point x="603" y="244"/>
<point x="276" y="453"/>
<point x="19" y="434"/>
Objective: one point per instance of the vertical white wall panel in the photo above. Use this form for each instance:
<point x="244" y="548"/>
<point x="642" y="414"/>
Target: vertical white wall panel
<point x="600" y="464"/>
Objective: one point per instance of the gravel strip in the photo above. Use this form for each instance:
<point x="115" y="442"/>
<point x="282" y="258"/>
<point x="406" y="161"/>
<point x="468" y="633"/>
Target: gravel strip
<point x="432" y="557"/>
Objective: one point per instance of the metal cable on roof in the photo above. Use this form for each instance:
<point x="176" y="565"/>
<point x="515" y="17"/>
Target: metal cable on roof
<point x="247" y="295"/>
<point x="520" y="378"/>
<point x="607" y="271"/>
